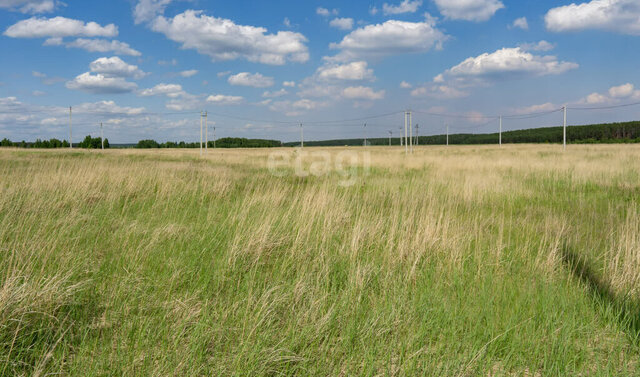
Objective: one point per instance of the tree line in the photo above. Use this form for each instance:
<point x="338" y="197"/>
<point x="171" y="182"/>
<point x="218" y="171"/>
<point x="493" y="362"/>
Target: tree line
<point x="225" y="142"/>
<point x="88" y="143"/>
<point x="625" y="132"/>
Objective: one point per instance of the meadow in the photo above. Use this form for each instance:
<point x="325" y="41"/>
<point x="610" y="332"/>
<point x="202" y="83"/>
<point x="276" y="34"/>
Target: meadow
<point x="521" y="260"/>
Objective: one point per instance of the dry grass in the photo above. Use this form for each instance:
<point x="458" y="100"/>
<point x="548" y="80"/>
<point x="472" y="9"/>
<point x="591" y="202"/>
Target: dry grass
<point x="520" y="260"/>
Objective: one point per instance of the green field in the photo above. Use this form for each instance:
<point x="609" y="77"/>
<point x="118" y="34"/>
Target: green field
<point x="460" y="261"/>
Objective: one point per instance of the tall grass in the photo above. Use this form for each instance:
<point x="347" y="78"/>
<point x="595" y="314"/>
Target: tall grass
<point x="462" y="261"/>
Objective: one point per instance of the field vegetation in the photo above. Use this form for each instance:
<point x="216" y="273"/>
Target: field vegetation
<point x="460" y="261"/>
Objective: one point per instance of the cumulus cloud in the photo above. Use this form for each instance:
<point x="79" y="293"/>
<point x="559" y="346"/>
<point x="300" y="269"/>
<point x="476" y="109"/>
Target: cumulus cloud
<point x="622" y="91"/>
<point x="59" y="27"/>
<point x="521" y="23"/>
<point x="342" y="23"/>
<point x="29" y="6"/>
<point x="539" y="46"/>
<point x="255" y="80"/>
<point x="101" y="84"/>
<point x="390" y="38"/>
<point x="509" y="63"/>
<point x="405" y="85"/>
<point x="352" y="71"/>
<point x="220" y="99"/>
<point x="548" y="106"/>
<point x="439" y="92"/>
<point x="102" y="45"/>
<point x="621" y="16"/>
<point x="189" y="73"/>
<point x="326" y="12"/>
<point x="362" y="93"/>
<point x="169" y="90"/>
<point x="275" y="94"/>
<point x="115" y="67"/>
<point x="289" y="84"/>
<point x="406" y="6"/>
<point x="147" y="10"/>
<point x="469" y="10"/>
<point x="222" y="39"/>
<point x="614" y="94"/>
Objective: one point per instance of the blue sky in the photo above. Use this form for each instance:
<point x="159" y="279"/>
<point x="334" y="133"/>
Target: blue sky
<point x="145" y="68"/>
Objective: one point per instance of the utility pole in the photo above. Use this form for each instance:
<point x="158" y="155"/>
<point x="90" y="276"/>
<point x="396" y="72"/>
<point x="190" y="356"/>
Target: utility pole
<point x="214" y="137"/>
<point x="390" y="134"/>
<point x="410" y="132"/>
<point x="70" y="133"/>
<point x="500" y="139"/>
<point x="564" y="129"/>
<point x="417" y="137"/>
<point x="406" y="142"/>
<point x="301" y="136"/>
<point x="365" y="134"/>
<point x="400" y="135"/>
<point x="101" y="136"/>
<point x="447" y="135"/>
<point x="206" y="134"/>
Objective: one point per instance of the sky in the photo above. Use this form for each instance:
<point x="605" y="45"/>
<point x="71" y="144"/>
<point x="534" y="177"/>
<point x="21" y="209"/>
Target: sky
<point x="145" y="69"/>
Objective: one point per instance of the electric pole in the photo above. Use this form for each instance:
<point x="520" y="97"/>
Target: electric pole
<point x="500" y="130"/>
<point x="564" y="129"/>
<point x="301" y="136"/>
<point x="101" y="136"/>
<point x="390" y="134"/>
<point x="406" y="142"/>
<point x="447" y="135"/>
<point x="214" y="137"/>
<point x="365" y="134"/>
<point x="417" y="137"/>
<point x="201" y="116"/>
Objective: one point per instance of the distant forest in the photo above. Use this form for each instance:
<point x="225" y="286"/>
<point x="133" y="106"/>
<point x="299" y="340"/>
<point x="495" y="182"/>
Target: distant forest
<point x="626" y="132"/>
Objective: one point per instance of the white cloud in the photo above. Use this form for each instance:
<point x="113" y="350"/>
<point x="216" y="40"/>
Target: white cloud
<point x="102" y="45"/>
<point x="29" y="6"/>
<point x="537" y="108"/>
<point x="390" y="38"/>
<point x="55" y="41"/>
<point x="286" y="22"/>
<point x="622" y="16"/>
<point x="363" y="93"/>
<point x="406" y="6"/>
<point x="222" y="39"/>
<point x="289" y="84"/>
<point x="540" y="46"/>
<point x="521" y="23"/>
<point x="596" y="98"/>
<point x="38" y="74"/>
<point x="326" y="12"/>
<point x="173" y="62"/>
<point x="189" y="73"/>
<point x="115" y="67"/>
<point x="100" y="84"/>
<point x="108" y="107"/>
<point x="509" y="62"/>
<point x="405" y="85"/>
<point x="275" y="94"/>
<point x="622" y="91"/>
<point x="220" y="99"/>
<point x="469" y="10"/>
<point x="439" y="91"/>
<point x="351" y="71"/>
<point x="35" y="27"/>
<point x="342" y="23"/>
<point x="147" y="10"/>
<point x="255" y="80"/>
<point x="169" y="90"/>
<point x="38" y="93"/>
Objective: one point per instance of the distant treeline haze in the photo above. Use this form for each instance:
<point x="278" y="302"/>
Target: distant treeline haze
<point x="627" y="132"/>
